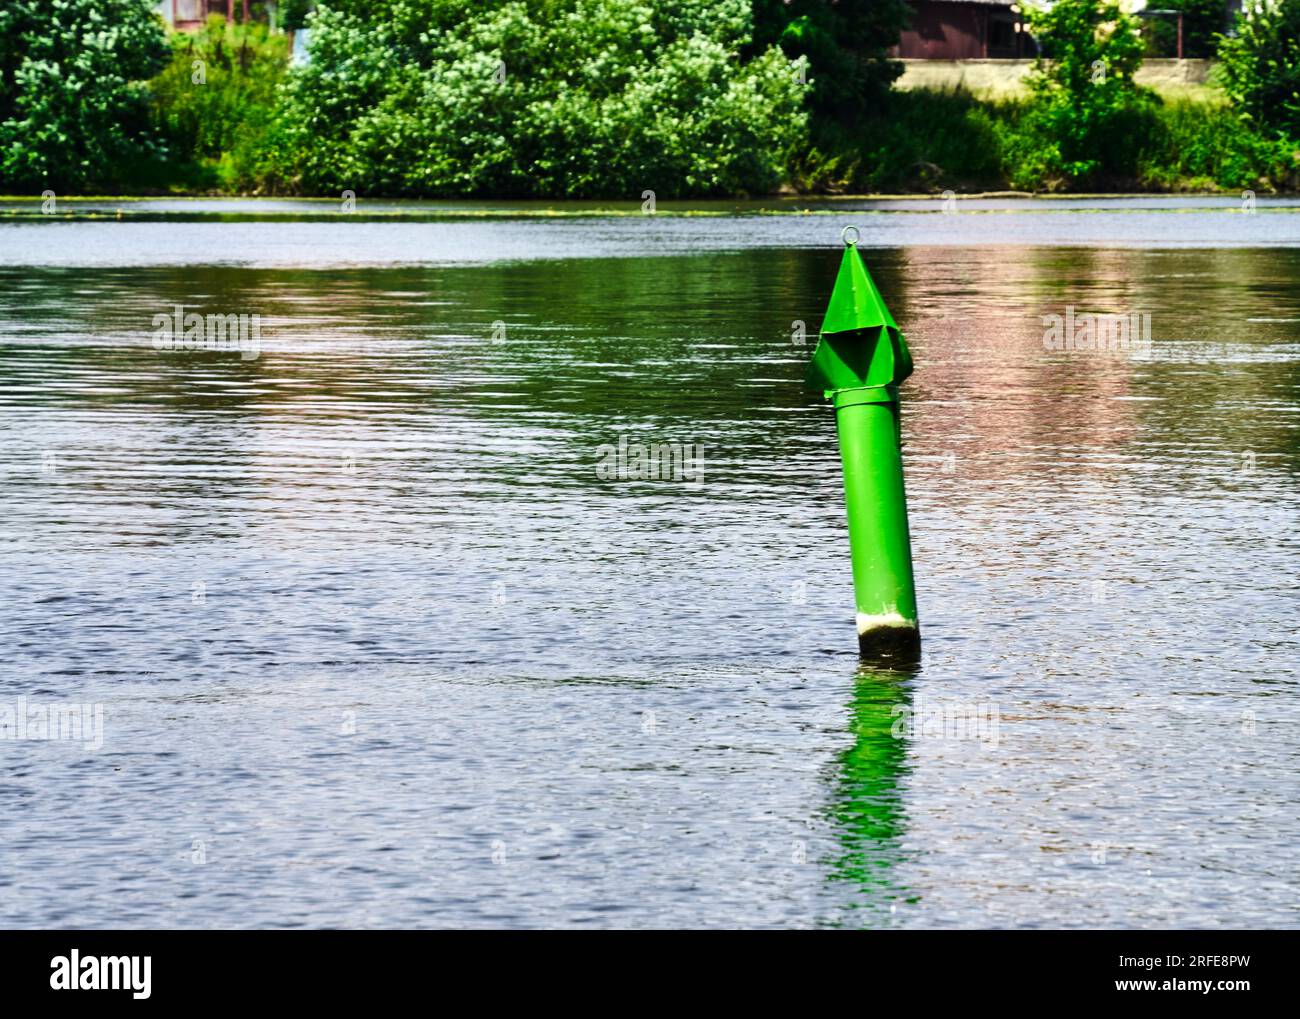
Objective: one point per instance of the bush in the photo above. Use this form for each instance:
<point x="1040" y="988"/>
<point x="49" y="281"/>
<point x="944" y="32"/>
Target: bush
<point x="217" y="97"/>
<point x="1260" y="66"/>
<point x="1200" y="146"/>
<point x="925" y="141"/>
<point x="73" y="111"/>
<point x="578" y="98"/>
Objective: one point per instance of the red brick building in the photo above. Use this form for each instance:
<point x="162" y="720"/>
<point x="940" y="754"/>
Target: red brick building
<point x="964" y="30"/>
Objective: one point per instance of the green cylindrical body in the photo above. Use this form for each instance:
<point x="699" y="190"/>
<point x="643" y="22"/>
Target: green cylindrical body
<point x="879" y="542"/>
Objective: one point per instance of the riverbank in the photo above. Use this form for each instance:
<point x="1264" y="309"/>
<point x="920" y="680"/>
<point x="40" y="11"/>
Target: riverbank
<point x="924" y="141"/>
<point x="249" y="208"/>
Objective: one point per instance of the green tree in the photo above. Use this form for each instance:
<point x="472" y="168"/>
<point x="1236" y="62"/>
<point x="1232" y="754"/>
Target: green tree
<point x="1260" y="65"/>
<point x="846" y="43"/>
<point x="1085" y="110"/>
<point x="536" y="97"/>
<point x="73" y="109"/>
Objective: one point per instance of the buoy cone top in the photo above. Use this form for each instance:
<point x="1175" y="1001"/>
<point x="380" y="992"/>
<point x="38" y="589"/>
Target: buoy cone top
<point x="850" y="354"/>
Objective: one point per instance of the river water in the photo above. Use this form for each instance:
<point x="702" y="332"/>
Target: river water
<point x="377" y="640"/>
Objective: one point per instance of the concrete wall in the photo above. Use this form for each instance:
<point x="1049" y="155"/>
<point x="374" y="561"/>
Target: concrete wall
<point x="994" y="78"/>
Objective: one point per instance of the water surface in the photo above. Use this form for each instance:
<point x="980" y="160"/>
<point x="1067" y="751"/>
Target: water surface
<point x="378" y="646"/>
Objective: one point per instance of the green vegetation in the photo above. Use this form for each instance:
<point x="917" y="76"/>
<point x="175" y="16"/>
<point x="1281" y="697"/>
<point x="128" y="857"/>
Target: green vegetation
<point x="73" y="109"/>
<point x="1081" y="125"/>
<point x="216" y="100"/>
<point x="536" y="98"/>
<point x="917" y="141"/>
<point x="932" y="141"/>
<point x="1085" y="124"/>
<point x="1260" y="67"/>
<point x="611" y="98"/>
<point x="845" y="42"/>
<point x="1203" y="21"/>
<point x="1194" y="146"/>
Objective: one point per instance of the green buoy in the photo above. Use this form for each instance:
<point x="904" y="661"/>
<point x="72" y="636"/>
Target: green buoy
<point x="860" y="359"/>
